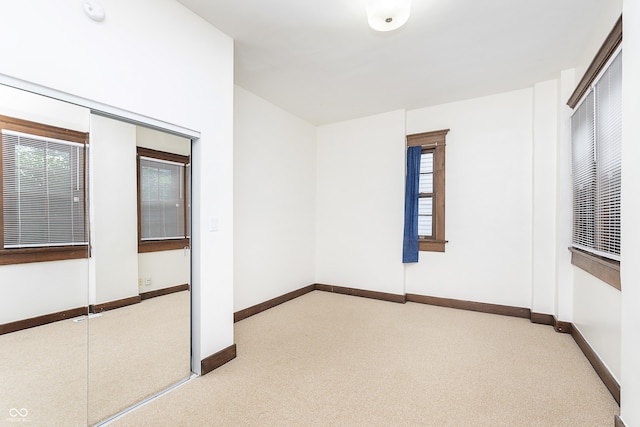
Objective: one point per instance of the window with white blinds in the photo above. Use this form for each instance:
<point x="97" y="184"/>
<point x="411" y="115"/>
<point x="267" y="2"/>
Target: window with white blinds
<point x="425" y="197"/>
<point x="162" y="199"/>
<point x="596" y="165"/>
<point x="43" y="191"/>
<point x="431" y="189"/>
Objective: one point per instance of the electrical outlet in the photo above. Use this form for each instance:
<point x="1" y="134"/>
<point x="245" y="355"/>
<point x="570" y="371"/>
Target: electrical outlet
<point x="147" y="281"/>
<point x="139" y="281"/>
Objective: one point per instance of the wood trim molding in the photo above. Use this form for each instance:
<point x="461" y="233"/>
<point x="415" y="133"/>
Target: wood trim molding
<point x="384" y="296"/>
<point x="609" y="46"/>
<point x="599" y="366"/>
<point x="504" y="310"/>
<point x="52" y="253"/>
<point x="164" y="291"/>
<point x="218" y="359"/>
<point x="618" y="421"/>
<point x="562" y="327"/>
<point x="606" y="270"/>
<point x="42" y="320"/>
<point x="431" y="245"/>
<point x="163" y="245"/>
<point x="427" y="138"/>
<point x="543" y="319"/>
<point x="106" y="306"/>
<point x="258" y="308"/>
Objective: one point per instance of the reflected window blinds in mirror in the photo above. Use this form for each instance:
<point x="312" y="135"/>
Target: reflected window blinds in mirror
<point x="163" y="200"/>
<point x="44" y="195"/>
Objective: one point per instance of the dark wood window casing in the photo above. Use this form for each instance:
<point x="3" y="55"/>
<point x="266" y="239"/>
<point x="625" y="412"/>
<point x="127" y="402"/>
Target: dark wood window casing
<point x="605" y="269"/>
<point x="434" y="142"/>
<point x="42" y="253"/>
<point x="167" y="244"/>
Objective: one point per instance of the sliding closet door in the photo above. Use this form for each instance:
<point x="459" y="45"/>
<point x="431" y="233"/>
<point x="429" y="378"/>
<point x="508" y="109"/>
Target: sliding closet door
<point x="44" y="265"/>
<point x="139" y="326"/>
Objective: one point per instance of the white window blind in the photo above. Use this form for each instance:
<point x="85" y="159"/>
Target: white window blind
<point x="584" y="174"/>
<point x="425" y="202"/>
<point x="43" y="191"/>
<point x="162" y="201"/>
<point x="596" y="165"/>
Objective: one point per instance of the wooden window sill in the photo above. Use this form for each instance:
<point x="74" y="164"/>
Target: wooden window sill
<point x="431" y="245"/>
<point x="53" y="253"/>
<point x="604" y="269"/>
<point x="162" y="245"/>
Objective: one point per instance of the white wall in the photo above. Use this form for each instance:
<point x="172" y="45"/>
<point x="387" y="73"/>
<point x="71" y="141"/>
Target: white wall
<point x="164" y="268"/>
<point x="630" y="267"/>
<point x="564" y="210"/>
<point x="545" y="142"/>
<point x="488" y="201"/>
<point x="113" y="210"/>
<point x="596" y="314"/>
<point x="155" y="58"/>
<point x="274" y="176"/>
<point x="359" y="203"/>
<point x="34" y="289"/>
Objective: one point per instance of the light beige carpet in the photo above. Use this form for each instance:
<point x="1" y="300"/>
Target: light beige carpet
<point x="73" y="373"/>
<point x="328" y="359"/>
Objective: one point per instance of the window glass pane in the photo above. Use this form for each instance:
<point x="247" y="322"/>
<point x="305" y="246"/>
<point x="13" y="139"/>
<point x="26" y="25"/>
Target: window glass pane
<point x="596" y="165"/>
<point x="425" y="225"/>
<point x="608" y="155"/>
<point x="162" y="200"/>
<point x="43" y="191"/>
<point x="425" y="218"/>
<point x="426" y="173"/>
<point x="583" y="170"/>
<point x="425" y="206"/>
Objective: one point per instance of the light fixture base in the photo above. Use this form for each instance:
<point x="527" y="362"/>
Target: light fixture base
<point x="93" y="9"/>
<point x="388" y="15"/>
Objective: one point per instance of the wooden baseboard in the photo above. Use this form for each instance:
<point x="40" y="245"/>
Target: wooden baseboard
<point x="543" y="319"/>
<point x="165" y="291"/>
<point x="218" y="359"/>
<point x="618" y="422"/>
<point x="258" y="308"/>
<point x="99" y="308"/>
<point x="361" y="293"/>
<point x="504" y="310"/>
<point x="42" y="320"/>
<point x="562" y="327"/>
<point x="600" y="368"/>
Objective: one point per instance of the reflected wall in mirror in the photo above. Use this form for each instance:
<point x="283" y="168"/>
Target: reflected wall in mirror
<point x="43" y="267"/>
<point x="139" y="329"/>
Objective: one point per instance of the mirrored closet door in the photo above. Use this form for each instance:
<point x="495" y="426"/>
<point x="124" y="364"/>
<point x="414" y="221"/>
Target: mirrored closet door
<point x="44" y="260"/>
<point x="139" y="326"/>
<point x="96" y="317"/>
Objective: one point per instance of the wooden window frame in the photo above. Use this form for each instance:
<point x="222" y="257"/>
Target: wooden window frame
<point x="605" y="269"/>
<point x="43" y="253"/>
<point x="434" y="141"/>
<point x="168" y="244"/>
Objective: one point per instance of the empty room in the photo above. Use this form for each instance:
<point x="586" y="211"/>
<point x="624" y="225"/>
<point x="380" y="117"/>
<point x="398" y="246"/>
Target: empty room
<point x="350" y="212"/>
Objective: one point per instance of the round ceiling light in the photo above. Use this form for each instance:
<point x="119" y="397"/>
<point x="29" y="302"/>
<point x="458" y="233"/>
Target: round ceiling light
<point x="388" y="15"/>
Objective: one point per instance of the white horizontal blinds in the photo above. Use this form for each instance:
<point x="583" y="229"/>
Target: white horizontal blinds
<point x="161" y="199"/>
<point x="425" y="202"/>
<point x="608" y="148"/>
<point x="584" y="173"/>
<point x="43" y="191"/>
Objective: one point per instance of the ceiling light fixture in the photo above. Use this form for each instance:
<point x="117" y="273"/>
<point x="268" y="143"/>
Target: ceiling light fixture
<point x="387" y="15"/>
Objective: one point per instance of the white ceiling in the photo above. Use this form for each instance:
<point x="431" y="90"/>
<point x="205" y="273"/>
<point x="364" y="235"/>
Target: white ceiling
<point x="320" y="61"/>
